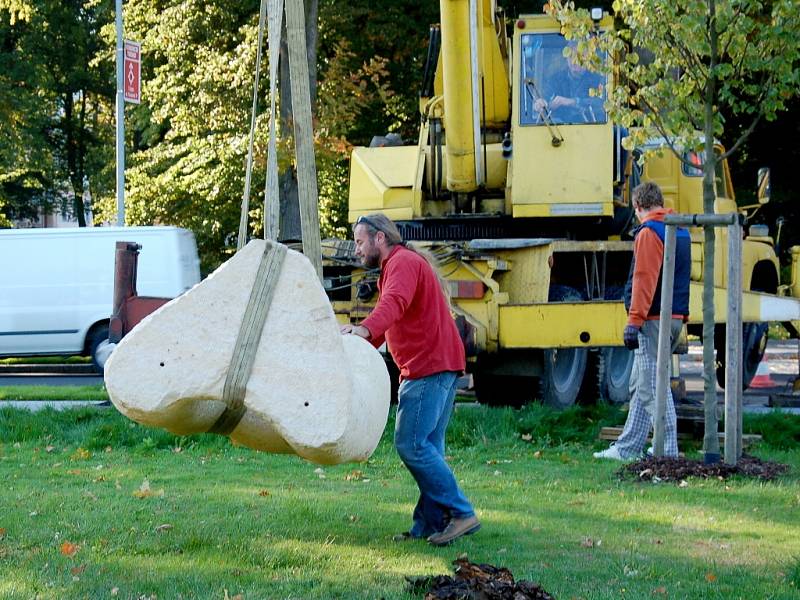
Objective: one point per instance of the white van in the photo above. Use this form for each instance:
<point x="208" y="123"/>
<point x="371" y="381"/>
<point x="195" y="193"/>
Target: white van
<point x="57" y="285"/>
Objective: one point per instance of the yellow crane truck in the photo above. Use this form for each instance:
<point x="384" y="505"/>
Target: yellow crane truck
<point x="527" y="210"/>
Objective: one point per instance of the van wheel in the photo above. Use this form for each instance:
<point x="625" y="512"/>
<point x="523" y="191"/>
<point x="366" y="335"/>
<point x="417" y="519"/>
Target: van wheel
<point x="98" y="349"/>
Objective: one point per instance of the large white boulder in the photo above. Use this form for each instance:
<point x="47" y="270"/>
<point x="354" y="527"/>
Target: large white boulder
<point x="312" y="391"/>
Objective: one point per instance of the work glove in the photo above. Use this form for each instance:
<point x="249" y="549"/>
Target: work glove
<point x="630" y="337"/>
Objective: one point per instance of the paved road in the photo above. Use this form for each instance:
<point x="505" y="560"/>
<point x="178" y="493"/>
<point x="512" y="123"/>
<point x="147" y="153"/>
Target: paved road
<point x="47" y="379"/>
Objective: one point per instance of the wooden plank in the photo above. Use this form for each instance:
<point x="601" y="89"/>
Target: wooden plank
<point x="612" y="433"/>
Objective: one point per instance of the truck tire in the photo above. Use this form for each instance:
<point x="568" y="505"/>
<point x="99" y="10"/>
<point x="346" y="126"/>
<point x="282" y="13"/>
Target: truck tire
<point x="98" y="335"/>
<point x="754" y="344"/>
<point x="564" y="368"/>
<point x="614" y="374"/>
<point x="562" y="376"/>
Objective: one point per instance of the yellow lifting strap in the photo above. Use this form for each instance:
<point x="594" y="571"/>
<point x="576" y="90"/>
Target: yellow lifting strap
<point x="303" y="132"/>
<point x="244" y="352"/>
<point x="272" y="259"/>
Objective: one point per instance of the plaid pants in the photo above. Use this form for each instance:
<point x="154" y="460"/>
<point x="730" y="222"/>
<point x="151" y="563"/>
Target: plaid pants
<point x="642" y="410"/>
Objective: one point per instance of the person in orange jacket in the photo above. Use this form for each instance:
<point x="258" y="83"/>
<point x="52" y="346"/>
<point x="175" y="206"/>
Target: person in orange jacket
<point x="643" y="303"/>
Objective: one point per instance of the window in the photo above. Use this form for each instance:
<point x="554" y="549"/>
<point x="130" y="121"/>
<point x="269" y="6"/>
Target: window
<point x="552" y="87"/>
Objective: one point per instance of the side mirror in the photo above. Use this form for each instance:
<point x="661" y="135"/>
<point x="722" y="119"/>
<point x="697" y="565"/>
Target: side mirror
<point x="763" y="185"/>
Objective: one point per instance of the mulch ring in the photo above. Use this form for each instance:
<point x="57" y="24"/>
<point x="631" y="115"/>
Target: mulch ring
<point x="678" y="469"/>
<point x="477" y="582"/>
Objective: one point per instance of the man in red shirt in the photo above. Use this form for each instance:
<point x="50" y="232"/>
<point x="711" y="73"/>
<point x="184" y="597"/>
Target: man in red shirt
<point x="413" y="317"/>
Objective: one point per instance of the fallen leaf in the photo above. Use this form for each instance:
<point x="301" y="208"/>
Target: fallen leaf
<point x="352" y="518"/>
<point x="354" y="475"/>
<point x="69" y="549"/>
<point x="177" y="449"/>
<point x="263" y="493"/>
<point x="164" y="527"/>
<point x="660" y="590"/>
<point x="537" y="454"/>
<point x="145" y="491"/>
<point x="81" y="454"/>
<point x="683" y="483"/>
<point x="114" y="591"/>
<point x="77" y="570"/>
<point x="49" y="449"/>
<point x="710" y="577"/>
<point x="108" y="449"/>
<point x="17" y="445"/>
<point x="526" y="437"/>
<point x="90" y="495"/>
<point x="74" y="472"/>
<point x="587" y="542"/>
<point x="2" y="532"/>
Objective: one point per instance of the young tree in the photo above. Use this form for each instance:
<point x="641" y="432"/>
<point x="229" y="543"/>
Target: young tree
<point x="707" y="59"/>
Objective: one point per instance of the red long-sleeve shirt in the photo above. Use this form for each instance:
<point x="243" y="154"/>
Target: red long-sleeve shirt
<point x="414" y="317"/>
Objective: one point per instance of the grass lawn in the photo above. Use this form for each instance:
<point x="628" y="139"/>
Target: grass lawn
<point x="95" y="506"/>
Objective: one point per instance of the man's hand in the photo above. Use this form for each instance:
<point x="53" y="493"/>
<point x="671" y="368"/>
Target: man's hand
<point x="358" y="330"/>
<point x="630" y="337"/>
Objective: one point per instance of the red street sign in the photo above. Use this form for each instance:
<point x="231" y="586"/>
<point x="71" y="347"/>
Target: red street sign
<point x="132" y="72"/>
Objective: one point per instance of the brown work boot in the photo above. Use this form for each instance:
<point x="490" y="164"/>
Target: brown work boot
<point x="454" y="530"/>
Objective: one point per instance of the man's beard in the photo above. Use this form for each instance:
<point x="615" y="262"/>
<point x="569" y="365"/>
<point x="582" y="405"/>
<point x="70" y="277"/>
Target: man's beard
<point x="371" y="260"/>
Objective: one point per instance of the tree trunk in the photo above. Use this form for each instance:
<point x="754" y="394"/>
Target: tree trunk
<point x="290" y="226"/>
<point x="710" y="437"/>
<point x="73" y="159"/>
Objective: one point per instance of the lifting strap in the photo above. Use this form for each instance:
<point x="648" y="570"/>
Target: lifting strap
<point x="303" y="133"/>
<point x="244" y="352"/>
<point x="271" y="198"/>
<point x="249" y="169"/>
<point x="269" y="268"/>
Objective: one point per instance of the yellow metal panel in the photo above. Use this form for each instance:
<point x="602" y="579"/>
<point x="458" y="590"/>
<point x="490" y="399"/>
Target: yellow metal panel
<point x="562" y="325"/>
<point x="577" y="171"/>
<point x="395" y="214"/>
<point x="392" y="166"/>
<point x="563" y="209"/>
<point x="385" y="180"/>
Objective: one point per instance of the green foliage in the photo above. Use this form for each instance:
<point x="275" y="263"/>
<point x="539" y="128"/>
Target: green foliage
<point x="56" y="106"/>
<point x="686" y="67"/>
<point x="777" y="429"/>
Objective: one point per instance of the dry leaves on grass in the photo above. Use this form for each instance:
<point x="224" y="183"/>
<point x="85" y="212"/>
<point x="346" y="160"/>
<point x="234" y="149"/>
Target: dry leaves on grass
<point x="145" y="491"/>
<point x="2" y="532"/>
<point x="236" y="597"/>
<point x="162" y="528"/>
<point x="69" y="549"/>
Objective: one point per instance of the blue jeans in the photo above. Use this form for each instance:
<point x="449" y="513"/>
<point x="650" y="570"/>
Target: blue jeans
<point x="424" y="410"/>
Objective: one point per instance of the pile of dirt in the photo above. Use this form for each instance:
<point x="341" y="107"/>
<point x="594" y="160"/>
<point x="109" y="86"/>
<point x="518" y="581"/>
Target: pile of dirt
<point x="678" y="469"/>
<point x="477" y="582"/>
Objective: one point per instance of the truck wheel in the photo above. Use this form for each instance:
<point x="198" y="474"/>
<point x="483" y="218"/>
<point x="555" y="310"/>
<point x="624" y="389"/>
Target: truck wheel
<point x="562" y="376"/>
<point x="614" y="374"/>
<point x="754" y="344"/>
<point x="97" y="348"/>
<point x="563" y="368"/>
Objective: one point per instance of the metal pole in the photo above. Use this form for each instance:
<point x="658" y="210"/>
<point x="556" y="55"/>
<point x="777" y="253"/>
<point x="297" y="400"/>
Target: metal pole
<point x="120" y="122"/>
<point x="733" y="348"/>
<point x="664" y="340"/>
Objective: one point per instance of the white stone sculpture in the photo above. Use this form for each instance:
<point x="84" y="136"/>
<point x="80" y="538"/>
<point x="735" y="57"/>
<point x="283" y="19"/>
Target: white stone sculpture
<point x="312" y="391"/>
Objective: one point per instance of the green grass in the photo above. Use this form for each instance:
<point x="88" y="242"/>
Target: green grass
<point x="53" y="392"/>
<point x="265" y="526"/>
<point x="45" y="360"/>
